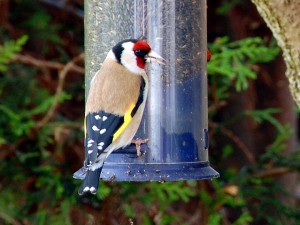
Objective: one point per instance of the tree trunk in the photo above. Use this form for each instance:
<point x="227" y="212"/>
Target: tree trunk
<point x="282" y="17"/>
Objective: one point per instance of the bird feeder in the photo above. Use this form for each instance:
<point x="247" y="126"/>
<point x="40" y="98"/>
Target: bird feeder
<point x="175" y="118"/>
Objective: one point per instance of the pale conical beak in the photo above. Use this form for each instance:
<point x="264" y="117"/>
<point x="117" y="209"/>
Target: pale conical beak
<point x="154" y="57"/>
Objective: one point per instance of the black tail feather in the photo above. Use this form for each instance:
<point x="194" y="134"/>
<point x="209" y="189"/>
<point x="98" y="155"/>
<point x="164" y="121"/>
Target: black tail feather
<point x="91" y="182"/>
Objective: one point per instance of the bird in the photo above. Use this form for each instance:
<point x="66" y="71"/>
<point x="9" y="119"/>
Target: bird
<point x="114" y="106"/>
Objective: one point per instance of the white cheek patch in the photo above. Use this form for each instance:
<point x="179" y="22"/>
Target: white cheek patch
<point x="128" y="59"/>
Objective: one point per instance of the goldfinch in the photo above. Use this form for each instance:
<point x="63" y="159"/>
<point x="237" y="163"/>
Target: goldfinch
<point x="114" y="107"/>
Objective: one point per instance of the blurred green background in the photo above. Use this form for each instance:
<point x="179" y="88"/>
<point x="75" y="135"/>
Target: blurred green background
<point x="252" y="120"/>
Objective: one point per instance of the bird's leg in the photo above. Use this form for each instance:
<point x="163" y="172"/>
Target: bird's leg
<point x="138" y="142"/>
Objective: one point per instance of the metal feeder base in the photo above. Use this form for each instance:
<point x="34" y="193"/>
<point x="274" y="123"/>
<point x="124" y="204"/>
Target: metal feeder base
<point x="158" y="171"/>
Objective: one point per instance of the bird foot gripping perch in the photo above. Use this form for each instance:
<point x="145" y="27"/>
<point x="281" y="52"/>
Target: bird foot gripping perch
<point x="138" y="142"/>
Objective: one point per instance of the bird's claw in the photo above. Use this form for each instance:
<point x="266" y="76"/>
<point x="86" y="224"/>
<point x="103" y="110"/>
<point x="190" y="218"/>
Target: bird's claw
<point x="138" y="142"/>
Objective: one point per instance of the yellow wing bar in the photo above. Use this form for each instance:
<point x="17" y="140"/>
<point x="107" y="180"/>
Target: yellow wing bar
<point x="127" y="120"/>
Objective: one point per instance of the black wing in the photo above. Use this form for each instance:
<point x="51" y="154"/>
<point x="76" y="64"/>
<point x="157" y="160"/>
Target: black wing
<point x="100" y="128"/>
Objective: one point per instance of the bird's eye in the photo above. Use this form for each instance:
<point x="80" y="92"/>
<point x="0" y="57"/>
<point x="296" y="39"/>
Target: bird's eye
<point x="140" y="53"/>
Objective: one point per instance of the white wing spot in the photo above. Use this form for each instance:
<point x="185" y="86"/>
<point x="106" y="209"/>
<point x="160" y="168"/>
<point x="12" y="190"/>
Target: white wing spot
<point x="92" y="189"/>
<point x="101" y="143"/>
<point x="90" y="151"/>
<point x="91" y="141"/>
<point x="100" y="147"/>
<point x="86" y="189"/>
<point x="90" y="145"/>
<point x="95" y="128"/>
<point x="97" y="117"/>
<point x="102" y="131"/>
<point x="104" y="118"/>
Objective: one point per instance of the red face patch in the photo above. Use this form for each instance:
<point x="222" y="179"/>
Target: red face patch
<point x="140" y="62"/>
<point x="141" y="45"/>
<point x="143" y="48"/>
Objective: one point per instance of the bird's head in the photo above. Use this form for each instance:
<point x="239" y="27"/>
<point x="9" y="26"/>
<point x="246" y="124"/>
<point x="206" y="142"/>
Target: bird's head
<point x="134" y="54"/>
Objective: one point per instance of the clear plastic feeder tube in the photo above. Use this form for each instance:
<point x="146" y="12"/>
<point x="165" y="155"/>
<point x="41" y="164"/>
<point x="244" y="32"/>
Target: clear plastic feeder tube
<point x="175" y="118"/>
